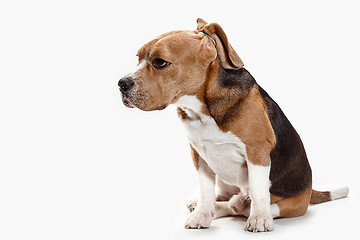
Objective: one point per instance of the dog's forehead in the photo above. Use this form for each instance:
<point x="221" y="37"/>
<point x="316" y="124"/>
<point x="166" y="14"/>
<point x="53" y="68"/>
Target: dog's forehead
<point x="170" y="40"/>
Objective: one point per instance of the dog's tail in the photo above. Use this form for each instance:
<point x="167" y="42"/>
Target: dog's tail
<point x="320" y="197"/>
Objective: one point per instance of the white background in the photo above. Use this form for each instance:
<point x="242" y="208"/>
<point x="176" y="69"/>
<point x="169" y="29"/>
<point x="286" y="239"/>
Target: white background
<point x="76" y="164"/>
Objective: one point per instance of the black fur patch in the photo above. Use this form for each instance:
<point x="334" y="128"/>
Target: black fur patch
<point x="290" y="171"/>
<point x="240" y="78"/>
<point x="238" y="83"/>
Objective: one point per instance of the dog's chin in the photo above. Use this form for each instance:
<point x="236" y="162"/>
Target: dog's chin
<point x="142" y="106"/>
<point x="127" y="103"/>
<point x="151" y="108"/>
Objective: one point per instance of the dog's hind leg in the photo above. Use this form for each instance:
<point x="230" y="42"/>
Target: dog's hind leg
<point x="224" y="193"/>
<point x="238" y="205"/>
<point x="291" y="207"/>
<point x="222" y="208"/>
<point x="220" y="200"/>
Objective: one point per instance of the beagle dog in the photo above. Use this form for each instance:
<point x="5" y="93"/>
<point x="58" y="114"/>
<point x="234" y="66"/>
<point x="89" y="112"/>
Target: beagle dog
<point x="240" y="139"/>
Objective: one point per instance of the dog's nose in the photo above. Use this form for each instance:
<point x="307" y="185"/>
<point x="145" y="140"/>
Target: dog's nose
<point x="126" y="84"/>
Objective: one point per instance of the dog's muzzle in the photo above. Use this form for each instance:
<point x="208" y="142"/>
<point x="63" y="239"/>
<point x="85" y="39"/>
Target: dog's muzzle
<point x="126" y="86"/>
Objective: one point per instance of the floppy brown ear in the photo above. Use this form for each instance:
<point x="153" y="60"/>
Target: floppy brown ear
<point x="228" y="57"/>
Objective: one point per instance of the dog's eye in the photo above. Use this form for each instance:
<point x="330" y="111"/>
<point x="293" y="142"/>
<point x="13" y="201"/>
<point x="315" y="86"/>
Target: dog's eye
<point x="159" y="63"/>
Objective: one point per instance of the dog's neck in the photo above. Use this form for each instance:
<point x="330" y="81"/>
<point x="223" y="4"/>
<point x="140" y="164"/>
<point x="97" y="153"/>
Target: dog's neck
<point x="222" y="93"/>
<point x="225" y="90"/>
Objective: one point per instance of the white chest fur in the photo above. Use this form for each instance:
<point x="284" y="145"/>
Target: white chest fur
<point x="224" y="152"/>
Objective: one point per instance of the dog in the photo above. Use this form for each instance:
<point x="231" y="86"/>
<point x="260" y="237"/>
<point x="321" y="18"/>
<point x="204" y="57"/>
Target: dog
<point x="240" y="139"/>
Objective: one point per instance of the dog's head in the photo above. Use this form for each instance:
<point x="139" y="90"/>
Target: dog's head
<point x="176" y="64"/>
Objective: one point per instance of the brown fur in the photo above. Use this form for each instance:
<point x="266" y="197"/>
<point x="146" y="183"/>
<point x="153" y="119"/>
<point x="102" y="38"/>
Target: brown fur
<point x="249" y="120"/>
<point x="319" y="197"/>
<point x="294" y="206"/>
<point x="182" y="114"/>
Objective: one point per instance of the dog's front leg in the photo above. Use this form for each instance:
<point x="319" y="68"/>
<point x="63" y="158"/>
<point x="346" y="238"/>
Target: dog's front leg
<point x="204" y="212"/>
<point x="260" y="219"/>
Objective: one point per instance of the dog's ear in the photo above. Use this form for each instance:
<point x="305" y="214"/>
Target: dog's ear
<point x="200" y="23"/>
<point x="228" y="57"/>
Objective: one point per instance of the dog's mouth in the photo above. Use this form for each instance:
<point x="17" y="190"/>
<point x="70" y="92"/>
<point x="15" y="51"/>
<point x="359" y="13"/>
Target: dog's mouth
<point x="138" y="100"/>
<point x="126" y="101"/>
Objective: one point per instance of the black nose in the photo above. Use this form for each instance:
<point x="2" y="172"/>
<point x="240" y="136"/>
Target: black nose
<point x="126" y="84"/>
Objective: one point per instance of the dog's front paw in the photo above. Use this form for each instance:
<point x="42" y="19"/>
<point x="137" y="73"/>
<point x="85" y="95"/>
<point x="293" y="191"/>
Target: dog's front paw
<point x="199" y="220"/>
<point x="259" y="223"/>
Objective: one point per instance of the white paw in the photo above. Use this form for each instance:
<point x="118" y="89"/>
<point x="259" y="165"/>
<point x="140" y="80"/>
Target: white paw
<point x="199" y="220"/>
<point x="259" y="224"/>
